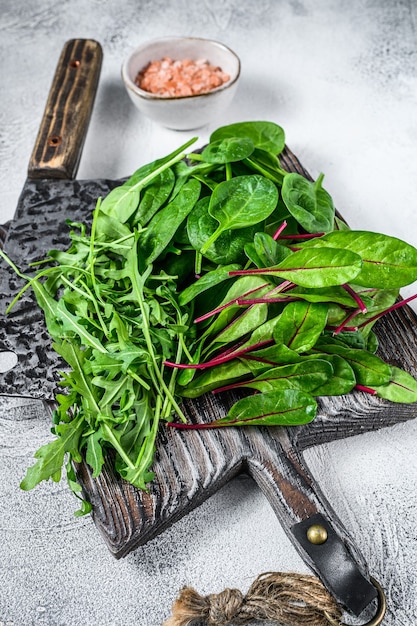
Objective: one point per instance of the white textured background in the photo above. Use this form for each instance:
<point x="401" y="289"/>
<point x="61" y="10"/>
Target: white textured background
<point x="341" y="78"/>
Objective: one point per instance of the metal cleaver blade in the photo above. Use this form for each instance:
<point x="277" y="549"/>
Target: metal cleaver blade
<point x="50" y="196"/>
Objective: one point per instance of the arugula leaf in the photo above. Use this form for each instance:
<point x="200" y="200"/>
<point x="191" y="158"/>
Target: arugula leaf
<point x="203" y="275"/>
<point x="51" y="456"/>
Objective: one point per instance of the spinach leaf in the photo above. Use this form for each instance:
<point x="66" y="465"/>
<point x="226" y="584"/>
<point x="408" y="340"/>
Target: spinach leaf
<point x="265" y="135"/>
<point x="228" y="150"/>
<point x="228" y="246"/>
<point x="267" y="164"/>
<point x="240" y="202"/>
<point x="154" y="196"/>
<point x="265" y="251"/>
<point x="309" y="203"/>
<point x="163" y="226"/>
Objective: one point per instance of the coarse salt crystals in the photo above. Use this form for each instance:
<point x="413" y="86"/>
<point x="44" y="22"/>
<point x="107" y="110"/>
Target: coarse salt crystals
<point x="169" y="78"/>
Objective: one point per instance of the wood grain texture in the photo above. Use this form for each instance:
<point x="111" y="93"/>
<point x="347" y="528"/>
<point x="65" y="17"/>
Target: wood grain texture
<point x="67" y="113"/>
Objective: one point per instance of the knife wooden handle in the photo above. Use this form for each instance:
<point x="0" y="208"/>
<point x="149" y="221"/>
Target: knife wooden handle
<point x="64" y="125"/>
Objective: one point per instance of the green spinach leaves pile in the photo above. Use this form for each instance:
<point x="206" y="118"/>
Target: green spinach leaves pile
<point x="207" y="271"/>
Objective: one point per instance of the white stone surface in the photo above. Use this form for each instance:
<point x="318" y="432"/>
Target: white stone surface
<point x="340" y="77"/>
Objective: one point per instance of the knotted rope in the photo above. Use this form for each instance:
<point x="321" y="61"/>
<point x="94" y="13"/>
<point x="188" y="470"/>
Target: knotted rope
<point x="288" y="599"/>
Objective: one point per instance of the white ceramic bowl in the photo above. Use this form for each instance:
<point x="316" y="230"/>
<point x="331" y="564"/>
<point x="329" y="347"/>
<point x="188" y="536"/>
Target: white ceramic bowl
<point x="184" y="112"/>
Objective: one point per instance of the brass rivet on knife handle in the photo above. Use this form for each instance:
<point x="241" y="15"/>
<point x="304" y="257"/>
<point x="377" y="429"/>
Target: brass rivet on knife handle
<point x="64" y="125"/>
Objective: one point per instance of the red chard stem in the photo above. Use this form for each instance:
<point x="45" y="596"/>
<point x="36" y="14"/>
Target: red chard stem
<point x="369" y="390"/>
<point x="280" y="229"/>
<point x="356" y="297"/>
<point x="397" y="305"/>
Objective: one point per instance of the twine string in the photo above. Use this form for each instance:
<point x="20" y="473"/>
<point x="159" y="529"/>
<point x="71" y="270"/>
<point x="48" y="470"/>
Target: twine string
<point x="288" y="599"/>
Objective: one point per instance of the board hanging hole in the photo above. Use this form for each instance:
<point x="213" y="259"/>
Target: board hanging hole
<point x="54" y="140"/>
<point x="8" y="360"/>
<point x="380" y="611"/>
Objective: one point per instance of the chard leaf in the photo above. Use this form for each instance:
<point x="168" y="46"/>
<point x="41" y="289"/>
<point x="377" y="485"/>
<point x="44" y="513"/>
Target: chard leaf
<point x="316" y="268"/>
<point x="300" y="325"/>
<point x="288" y="407"/>
<point x="265" y="251"/>
<point x="334" y="294"/>
<point x="250" y="319"/>
<point x="215" y="377"/>
<point x="343" y="379"/>
<point x="388" y="262"/>
<point x="369" y="369"/>
<point x="401" y="388"/>
<point x="265" y="358"/>
<point x="305" y="376"/>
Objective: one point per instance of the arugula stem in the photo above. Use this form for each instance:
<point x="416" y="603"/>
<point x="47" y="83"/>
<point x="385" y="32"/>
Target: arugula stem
<point x="171" y="386"/>
<point x="35" y="279"/>
<point x="138" y="379"/>
<point x="148" y="445"/>
<point x="176" y="156"/>
<point x="4" y="256"/>
<point x="155" y="370"/>
<point x="114" y="442"/>
<point x="87" y="294"/>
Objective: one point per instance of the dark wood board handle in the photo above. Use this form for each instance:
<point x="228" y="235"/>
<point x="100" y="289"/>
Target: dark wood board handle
<point x="64" y="125"/>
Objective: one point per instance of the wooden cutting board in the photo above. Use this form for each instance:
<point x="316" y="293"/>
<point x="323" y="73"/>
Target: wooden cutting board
<point x="189" y="466"/>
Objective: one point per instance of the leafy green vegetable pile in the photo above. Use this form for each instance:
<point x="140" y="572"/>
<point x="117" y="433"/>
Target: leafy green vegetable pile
<point x="215" y="271"/>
